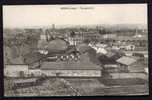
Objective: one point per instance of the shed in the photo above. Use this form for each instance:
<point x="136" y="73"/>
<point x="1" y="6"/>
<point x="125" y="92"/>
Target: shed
<point x="125" y="63"/>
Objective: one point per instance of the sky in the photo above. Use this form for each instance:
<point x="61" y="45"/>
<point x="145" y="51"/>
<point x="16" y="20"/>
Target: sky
<point x="21" y="16"/>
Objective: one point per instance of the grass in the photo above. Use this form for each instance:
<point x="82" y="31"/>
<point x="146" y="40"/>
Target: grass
<point x="123" y="82"/>
<point x="51" y="87"/>
<point x="85" y="86"/>
<point x="122" y="90"/>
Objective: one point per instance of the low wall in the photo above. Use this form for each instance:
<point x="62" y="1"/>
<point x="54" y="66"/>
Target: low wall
<point x="73" y="73"/>
<point x="129" y="75"/>
<point x="14" y="70"/>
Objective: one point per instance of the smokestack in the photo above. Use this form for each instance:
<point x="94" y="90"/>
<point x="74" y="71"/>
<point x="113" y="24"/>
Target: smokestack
<point x="53" y="26"/>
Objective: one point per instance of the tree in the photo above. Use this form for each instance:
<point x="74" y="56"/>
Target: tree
<point x="72" y="34"/>
<point x="102" y="31"/>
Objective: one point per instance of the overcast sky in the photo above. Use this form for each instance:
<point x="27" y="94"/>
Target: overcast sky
<point x="43" y="15"/>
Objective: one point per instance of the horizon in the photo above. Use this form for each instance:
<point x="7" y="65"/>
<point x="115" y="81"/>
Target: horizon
<point x="81" y="26"/>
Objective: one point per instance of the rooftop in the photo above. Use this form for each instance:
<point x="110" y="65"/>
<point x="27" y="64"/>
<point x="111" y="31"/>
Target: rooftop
<point x="126" y="60"/>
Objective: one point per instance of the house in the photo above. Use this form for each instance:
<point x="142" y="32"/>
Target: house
<point x="138" y="55"/>
<point x="110" y="64"/>
<point x="15" y="70"/>
<point x="138" y="66"/>
<point x="125" y="63"/>
<point x="105" y="60"/>
<point x="64" y="69"/>
<point x="111" y="68"/>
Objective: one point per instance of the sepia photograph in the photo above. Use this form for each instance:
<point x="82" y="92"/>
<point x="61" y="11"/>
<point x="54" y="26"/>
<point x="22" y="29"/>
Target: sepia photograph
<point x="75" y="50"/>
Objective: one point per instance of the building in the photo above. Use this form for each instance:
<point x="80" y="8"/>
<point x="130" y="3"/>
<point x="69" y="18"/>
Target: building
<point x="65" y="69"/>
<point x="135" y="43"/>
<point x="129" y="76"/>
<point x="109" y="36"/>
<point x="15" y="70"/>
<point x="111" y="68"/>
<point x="91" y="35"/>
<point x="126" y="64"/>
<point x="79" y="37"/>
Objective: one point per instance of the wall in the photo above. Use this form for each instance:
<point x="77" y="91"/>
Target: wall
<point x="111" y="68"/>
<point x="136" y="68"/>
<point x="35" y="72"/>
<point x="129" y="75"/>
<point x="14" y="70"/>
<point x="73" y="73"/>
<point x="122" y="68"/>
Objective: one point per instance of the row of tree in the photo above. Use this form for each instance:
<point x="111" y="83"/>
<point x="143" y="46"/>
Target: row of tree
<point x="19" y="45"/>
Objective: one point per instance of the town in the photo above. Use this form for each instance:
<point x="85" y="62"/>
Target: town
<point x="76" y="61"/>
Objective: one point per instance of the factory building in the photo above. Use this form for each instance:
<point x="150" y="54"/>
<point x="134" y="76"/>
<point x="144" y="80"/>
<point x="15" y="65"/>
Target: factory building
<point x="81" y="36"/>
<point x="65" y="69"/>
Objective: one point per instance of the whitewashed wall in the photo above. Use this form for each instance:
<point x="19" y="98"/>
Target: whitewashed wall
<point x="129" y="75"/>
<point x="14" y="70"/>
<point x="73" y="73"/>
